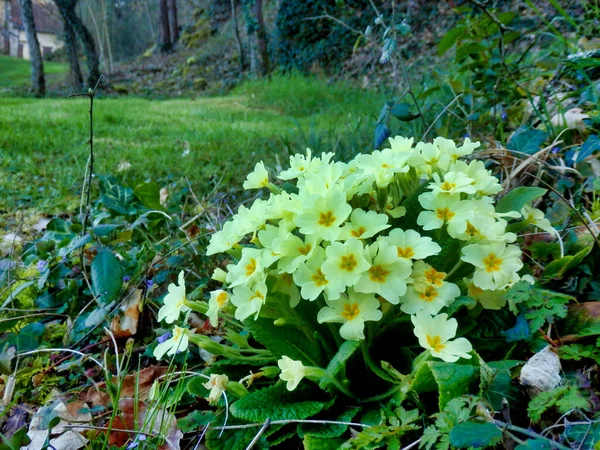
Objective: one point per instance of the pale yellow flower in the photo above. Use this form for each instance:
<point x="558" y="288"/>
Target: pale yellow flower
<point x="218" y="299"/>
<point x="345" y="261"/>
<point x="496" y="264"/>
<point x="436" y="333"/>
<point x="217" y="385"/>
<point x="178" y="342"/>
<point x="291" y="371"/>
<point x="174" y="301"/>
<point x="259" y="178"/>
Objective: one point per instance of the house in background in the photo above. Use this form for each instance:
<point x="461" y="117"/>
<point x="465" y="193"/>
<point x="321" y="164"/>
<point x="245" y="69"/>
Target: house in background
<point x="12" y="34"/>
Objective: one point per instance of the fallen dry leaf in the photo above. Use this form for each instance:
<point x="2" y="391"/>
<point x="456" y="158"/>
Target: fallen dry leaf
<point x="125" y="323"/>
<point x="571" y="119"/>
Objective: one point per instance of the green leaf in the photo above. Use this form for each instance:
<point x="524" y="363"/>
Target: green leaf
<point x="233" y="439"/>
<point x="402" y="111"/>
<point x="475" y="435"/>
<point x="527" y="140"/>
<point x="519" y="197"/>
<point x="317" y="443"/>
<point x="382" y="132"/>
<point x="277" y="403"/>
<point x="537" y="444"/>
<point x="338" y="362"/>
<point x="453" y="380"/>
<point x="564" y="398"/>
<point x="449" y="39"/>
<point x="148" y="193"/>
<point x="471" y="48"/>
<point x="114" y="196"/>
<point x="16" y="441"/>
<point x="589" y="147"/>
<point x="496" y="383"/>
<point x="107" y="276"/>
<point x="285" y="341"/>
<point x="329" y="430"/>
<point x="195" y="420"/>
<point x="583" y="436"/>
<point x="557" y="268"/>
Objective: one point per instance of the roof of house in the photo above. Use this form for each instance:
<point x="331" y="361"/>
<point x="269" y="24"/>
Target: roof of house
<point x="45" y="15"/>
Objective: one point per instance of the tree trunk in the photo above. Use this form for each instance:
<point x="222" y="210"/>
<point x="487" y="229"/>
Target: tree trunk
<point x="89" y="48"/>
<point x="237" y="37"/>
<point x="165" y="31"/>
<point x="38" y="84"/>
<point x="75" y="76"/>
<point x="174" y="22"/>
<point x="261" y="38"/>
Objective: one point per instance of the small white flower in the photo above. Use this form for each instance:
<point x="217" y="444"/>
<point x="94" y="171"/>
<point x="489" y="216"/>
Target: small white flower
<point x="291" y="371"/>
<point x="435" y="334"/>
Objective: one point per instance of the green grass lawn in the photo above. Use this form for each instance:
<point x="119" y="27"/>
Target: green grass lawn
<point x="16" y="72"/>
<point x="43" y="142"/>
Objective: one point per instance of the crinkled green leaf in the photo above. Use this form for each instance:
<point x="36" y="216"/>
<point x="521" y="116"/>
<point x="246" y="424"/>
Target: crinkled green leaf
<point x="453" y="380"/>
<point x="329" y="430"/>
<point x="233" y="438"/>
<point x="338" y="362"/>
<point x="475" y="435"/>
<point x="277" y="403"/>
<point x="319" y="443"/>
<point x="107" y="276"/>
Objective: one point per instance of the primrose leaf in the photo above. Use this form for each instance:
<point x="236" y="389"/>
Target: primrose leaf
<point x="338" y="362"/>
<point x="452" y="379"/>
<point x="519" y="197"/>
<point x="234" y="438"/>
<point x="527" y="140"/>
<point x="557" y="268"/>
<point x="475" y="435"/>
<point x="277" y="403"/>
<point x="107" y="276"/>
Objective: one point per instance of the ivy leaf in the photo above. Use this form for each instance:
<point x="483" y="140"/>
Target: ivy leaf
<point x="277" y="403"/>
<point x="402" y="111"/>
<point x="107" y="276"/>
<point x="527" y="140"/>
<point x="475" y="435"/>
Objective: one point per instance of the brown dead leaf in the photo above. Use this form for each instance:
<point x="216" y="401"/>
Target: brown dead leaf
<point x="143" y="380"/>
<point x="125" y="324"/>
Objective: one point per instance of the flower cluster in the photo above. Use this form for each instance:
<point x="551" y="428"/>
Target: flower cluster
<point x="336" y="237"/>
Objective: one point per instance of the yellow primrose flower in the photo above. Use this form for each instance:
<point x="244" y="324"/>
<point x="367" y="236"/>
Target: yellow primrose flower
<point x="488" y="299"/>
<point x="382" y="166"/>
<point x="400" y="144"/>
<point x="323" y="215"/>
<point x="411" y="245"/>
<point x="291" y="371"/>
<point x="299" y="165"/>
<point x="259" y="178"/>
<point x="428" y="298"/>
<point x="249" y="300"/>
<point x="177" y="343"/>
<point x="312" y="280"/>
<point x="536" y="217"/>
<point x="248" y="269"/>
<point x="496" y="264"/>
<point x="448" y="147"/>
<point x="454" y="183"/>
<point x="248" y="220"/>
<point x="345" y="261"/>
<point x="387" y="275"/>
<point x="224" y="239"/>
<point x="435" y="334"/>
<point x="217" y="301"/>
<point x="444" y="209"/>
<point x="294" y="251"/>
<point x="319" y="182"/>
<point x="217" y="385"/>
<point x="483" y="180"/>
<point x="352" y="311"/>
<point x="364" y="224"/>
<point x="173" y="301"/>
<point x="432" y="158"/>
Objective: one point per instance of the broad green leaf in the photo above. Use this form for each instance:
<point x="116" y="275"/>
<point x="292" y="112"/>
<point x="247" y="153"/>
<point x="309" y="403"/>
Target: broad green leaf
<point x="148" y="193"/>
<point x="286" y="340"/>
<point x="589" y="147"/>
<point x="496" y="383"/>
<point x="527" y="140"/>
<point x="16" y="441"/>
<point x="114" y="196"/>
<point x="597" y="184"/>
<point x="195" y="420"/>
<point x="557" y="268"/>
<point x="235" y="438"/>
<point x="382" y="132"/>
<point x="402" y="111"/>
<point x="318" y="443"/>
<point x="329" y="430"/>
<point x="519" y="197"/>
<point x="338" y="362"/>
<point x="449" y="39"/>
<point x="277" y="403"/>
<point x="539" y="444"/>
<point x="466" y="50"/>
<point x="453" y="380"/>
<point x="584" y="436"/>
<point x="196" y="387"/>
<point x="475" y="435"/>
<point x="107" y="276"/>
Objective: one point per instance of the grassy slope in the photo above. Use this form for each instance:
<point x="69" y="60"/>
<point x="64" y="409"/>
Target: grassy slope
<point x="43" y="148"/>
<point x="16" y="72"/>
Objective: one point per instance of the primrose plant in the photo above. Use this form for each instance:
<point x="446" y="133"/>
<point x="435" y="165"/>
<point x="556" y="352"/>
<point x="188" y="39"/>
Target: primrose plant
<point x="358" y="252"/>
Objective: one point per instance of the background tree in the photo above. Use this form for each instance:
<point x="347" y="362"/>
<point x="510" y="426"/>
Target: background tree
<point x="173" y="22"/>
<point x="165" y="28"/>
<point x="72" y="20"/>
<point x="38" y="83"/>
<point x="72" y="53"/>
<point x="257" y="37"/>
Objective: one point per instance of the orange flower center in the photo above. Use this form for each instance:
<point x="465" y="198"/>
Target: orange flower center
<point x="434" y="277"/>
<point x="348" y="263"/>
<point x="222" y="298"/>
<point x="378" y="274"/>
<point x="435" y="342"/>
<point x="429" y="294"/>
<point x="305" y="250"/>
<point x="319" y="278"/>
<point x="351" y="311"/>
<point x="326" y="219"/>
<point x="358" y="232"/>
<point x="444" y="214"/>
<point x="406" y="252"/>
<point x="492" y="263"/>
<point x="250" y="267"/>
<point x="447" y="186"/>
